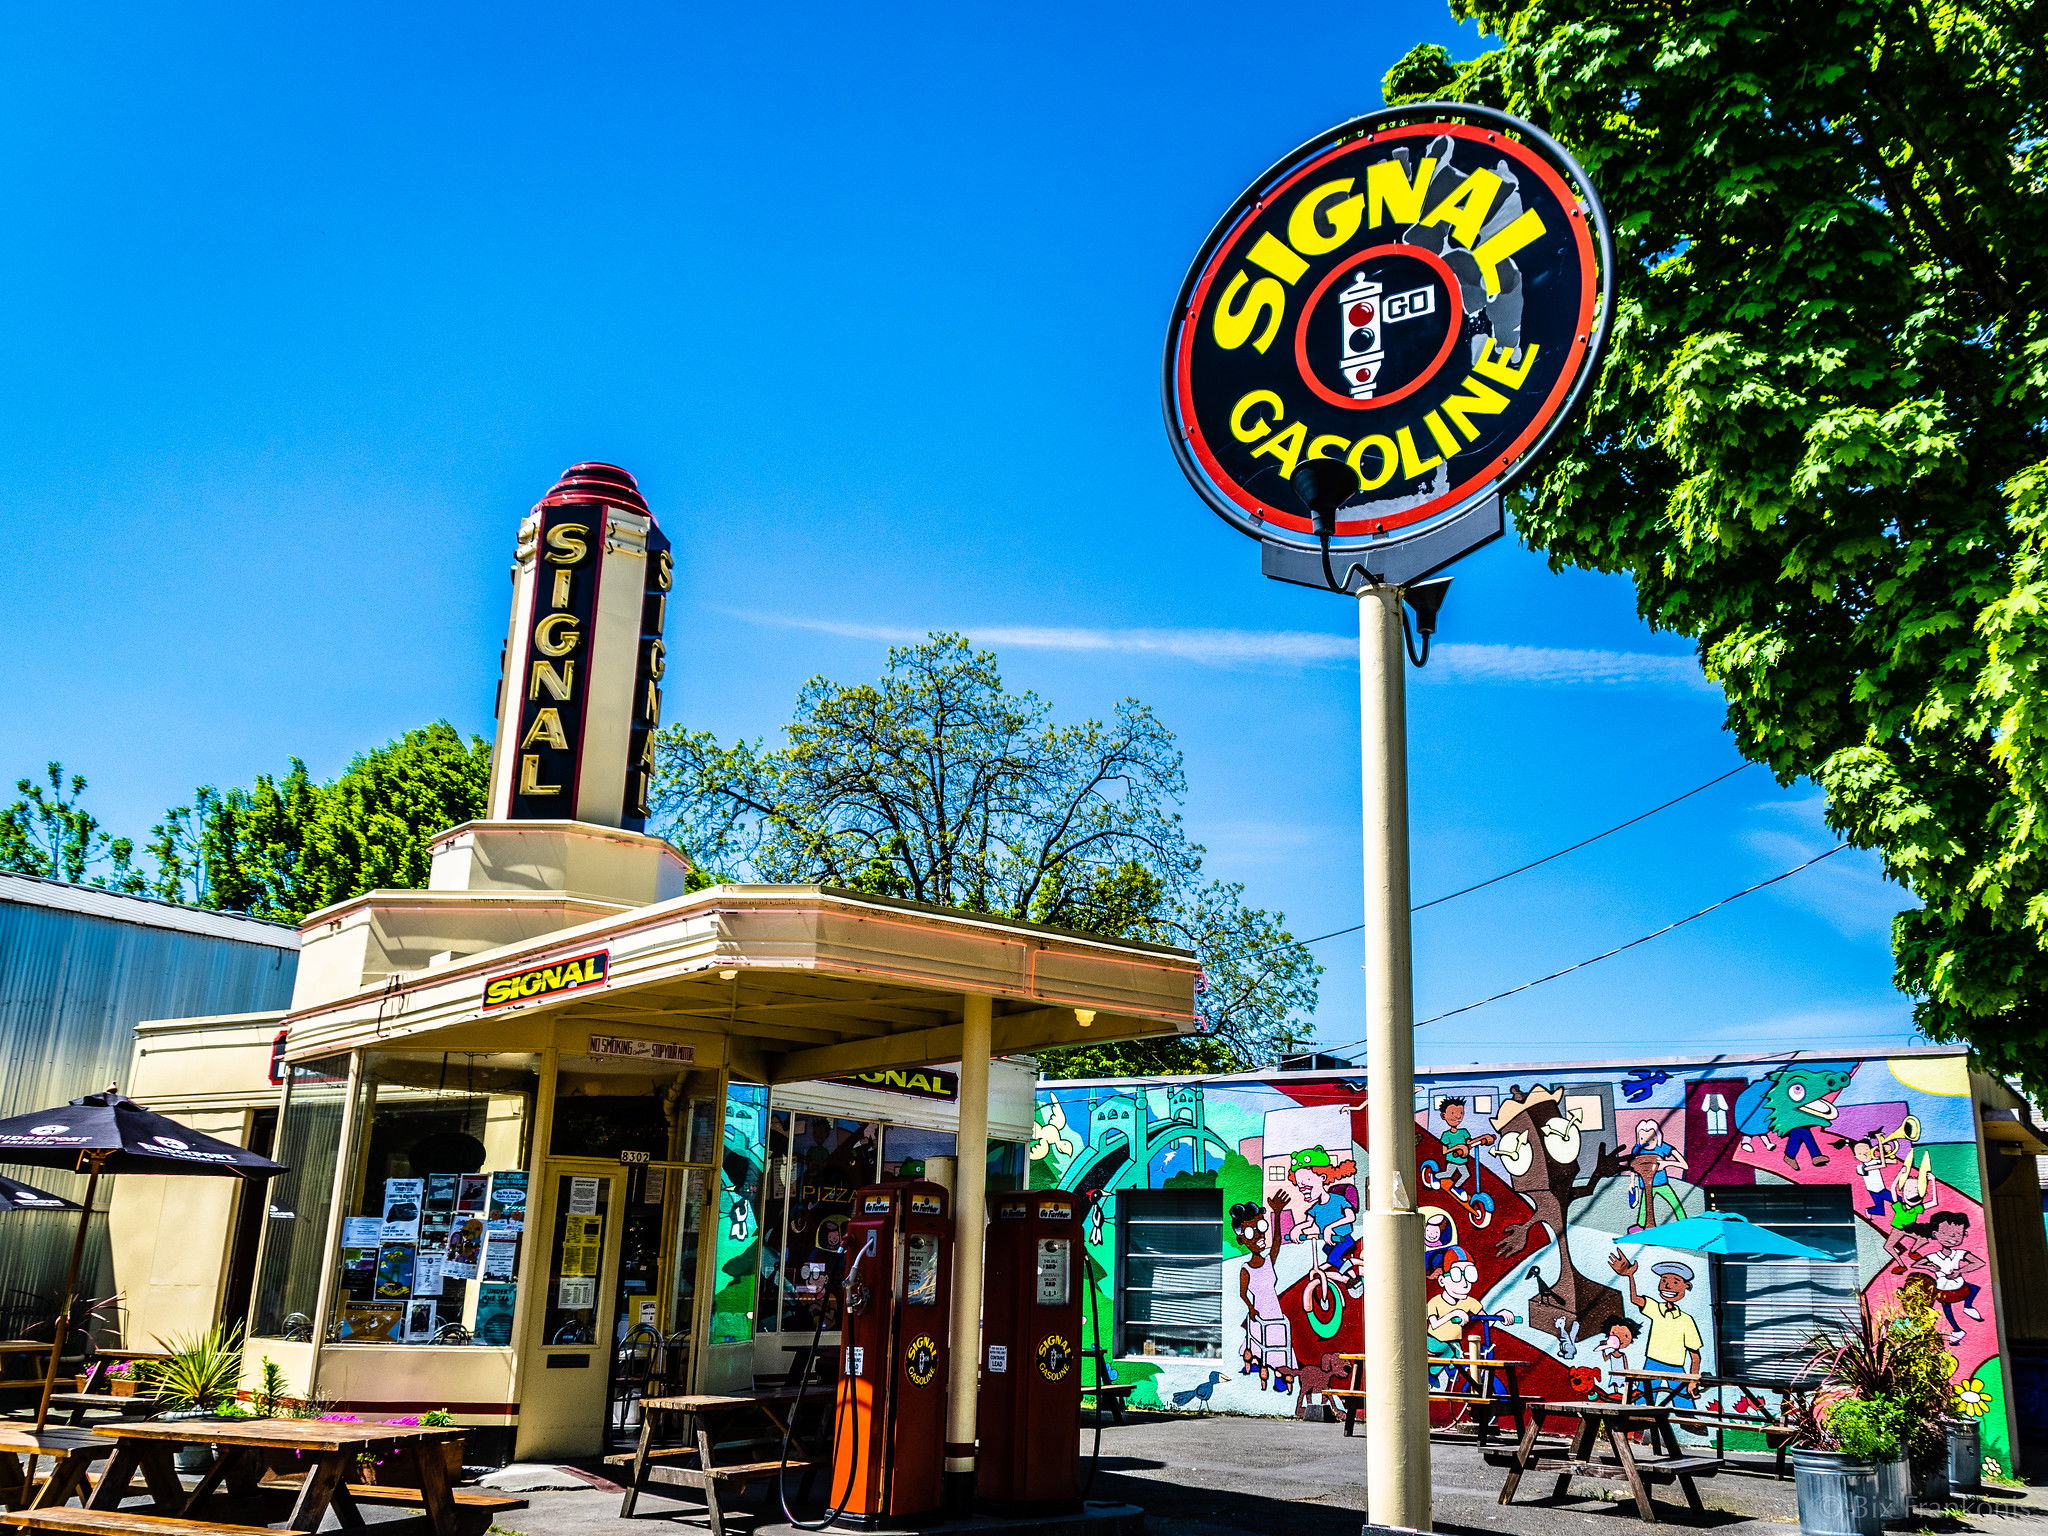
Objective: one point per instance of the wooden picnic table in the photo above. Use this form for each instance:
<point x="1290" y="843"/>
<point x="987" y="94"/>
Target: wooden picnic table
<point x="235" y="1489"/>
<point x="1618" y="1421"/>
<point x="71" y="1453"/>
<point x="1485" y="1388"/>
<point x="702" y="1416"/>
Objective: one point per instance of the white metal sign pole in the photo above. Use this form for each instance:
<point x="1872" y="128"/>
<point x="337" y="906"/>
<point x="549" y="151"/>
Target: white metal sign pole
<point x="1396" y="1368"/>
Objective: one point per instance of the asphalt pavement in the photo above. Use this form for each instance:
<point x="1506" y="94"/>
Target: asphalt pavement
<point x="1218" y="1475"/>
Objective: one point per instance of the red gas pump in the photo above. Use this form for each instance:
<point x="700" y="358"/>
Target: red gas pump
<point x="889" y="1421"/>
<point x="1030" y="1420"/>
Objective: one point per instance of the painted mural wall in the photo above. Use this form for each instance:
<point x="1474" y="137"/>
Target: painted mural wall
<point x="1529" y="1176"/>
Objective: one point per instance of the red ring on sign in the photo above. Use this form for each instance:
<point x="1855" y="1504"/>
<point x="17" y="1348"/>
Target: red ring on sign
<point x="1589" y="296"/>
<point x="1455" y="297"/>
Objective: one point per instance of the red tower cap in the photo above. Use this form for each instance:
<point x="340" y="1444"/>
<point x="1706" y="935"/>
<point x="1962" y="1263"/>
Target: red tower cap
<point x="596" y="482"/>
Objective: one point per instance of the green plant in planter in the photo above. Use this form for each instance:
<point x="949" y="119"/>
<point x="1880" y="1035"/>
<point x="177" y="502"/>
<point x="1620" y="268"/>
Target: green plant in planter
<point x="271" y="1389"/>
<point x="1870" y="1428"/>
<point x="202" y="1371"/>
<point x="439" y="1418"/>
<point x="1893" y="1354"/>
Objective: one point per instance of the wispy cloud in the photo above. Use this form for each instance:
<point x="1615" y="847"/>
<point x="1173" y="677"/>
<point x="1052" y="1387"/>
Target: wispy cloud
<point x="1515" y="665"/>
<point x="1849" y="892"/>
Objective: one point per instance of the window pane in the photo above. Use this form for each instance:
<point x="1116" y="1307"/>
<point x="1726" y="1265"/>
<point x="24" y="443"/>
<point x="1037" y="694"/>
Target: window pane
<point x="904" y="1149"/>
<point x="828" y="1160"/>
<point x="1770" y="1308"/>
<point x="740" y="1174"/>
<point x="295" y="1228"/>
<point x="1171" y="1290"/>
<point x="437" y="1200"/>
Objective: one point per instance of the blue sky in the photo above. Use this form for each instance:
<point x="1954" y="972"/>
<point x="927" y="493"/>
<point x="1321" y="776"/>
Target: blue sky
<point x="306" y="307"/>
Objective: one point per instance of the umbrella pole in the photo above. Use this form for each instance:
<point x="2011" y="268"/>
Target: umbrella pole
<point x="92" y="1185"/>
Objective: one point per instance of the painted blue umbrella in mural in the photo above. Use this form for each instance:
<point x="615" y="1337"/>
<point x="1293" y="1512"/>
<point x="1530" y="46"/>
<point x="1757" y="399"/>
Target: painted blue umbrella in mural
<point x="104" y="1133"/>
<point x="1727" y="1233"/>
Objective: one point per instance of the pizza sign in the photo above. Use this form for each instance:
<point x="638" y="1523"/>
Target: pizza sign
<point x="1421" y="293"/>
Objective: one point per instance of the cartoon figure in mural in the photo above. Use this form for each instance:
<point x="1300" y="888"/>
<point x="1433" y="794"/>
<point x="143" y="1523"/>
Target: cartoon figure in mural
<point x="1200" y="1392"/>
<point x="1876" y="1152"/>
<point x="1947" y="1260"/>
<point x="1268" y="1343"/>
<point x="1652" y="1160"/>
<point x="1440" y="1244"/>
<point x="1332" y="1220"/>
<point x="1049" y="1136"/>
<point x="1539" y="1145"/>
<point x="1914" y="1192"/>
<point x="1792" y="1102"/>
<point x="1455" y="1174"/>
<point x="1612" y="1350"/>
<point x="1672" y="1347"/>
<point x="1447" y="1313"/>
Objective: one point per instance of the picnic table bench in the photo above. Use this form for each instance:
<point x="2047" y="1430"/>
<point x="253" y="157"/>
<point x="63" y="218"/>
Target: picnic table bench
<point x="1715" y="1419"/>
<point x="1666" y="1463"/>
<point x="1486" y="1389"/>
<point x="701" y="1414"/>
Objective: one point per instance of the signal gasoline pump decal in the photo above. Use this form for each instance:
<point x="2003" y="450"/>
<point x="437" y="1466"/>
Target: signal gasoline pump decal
<point x="1415" y="295"/>
<point x="1055" y="1357"/>
<point x="921" y="1360"/>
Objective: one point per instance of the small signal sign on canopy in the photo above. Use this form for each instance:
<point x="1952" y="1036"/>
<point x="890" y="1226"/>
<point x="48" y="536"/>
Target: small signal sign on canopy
<point x="1421" y="294"/>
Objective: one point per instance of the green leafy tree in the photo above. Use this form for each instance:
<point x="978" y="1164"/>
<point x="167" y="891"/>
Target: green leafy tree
<point x="1817" y="444"/>
<point x="939" y="784"/>
<point x="49" y="832"/>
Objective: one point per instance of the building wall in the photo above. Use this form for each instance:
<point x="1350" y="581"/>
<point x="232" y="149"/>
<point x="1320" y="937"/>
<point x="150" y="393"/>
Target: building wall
<point x="78" y="969"/>
<point x="1552" y="1187"/>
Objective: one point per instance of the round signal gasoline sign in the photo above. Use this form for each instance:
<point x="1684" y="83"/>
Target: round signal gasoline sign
<point x="921" y="1360"/>
<point x="1421" y="292"/>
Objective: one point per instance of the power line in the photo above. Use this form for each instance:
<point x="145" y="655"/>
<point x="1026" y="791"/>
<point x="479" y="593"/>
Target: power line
<point x="1632" y="943"/>
<point x="1437" y="901"/>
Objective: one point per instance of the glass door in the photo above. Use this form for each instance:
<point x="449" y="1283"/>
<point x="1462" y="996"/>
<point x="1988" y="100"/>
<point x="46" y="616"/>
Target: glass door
<point x="568" y="1365"/>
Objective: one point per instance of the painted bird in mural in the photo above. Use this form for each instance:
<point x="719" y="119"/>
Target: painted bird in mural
<point x="1642" y="1084"/>
<point x="1200" y="1392"/>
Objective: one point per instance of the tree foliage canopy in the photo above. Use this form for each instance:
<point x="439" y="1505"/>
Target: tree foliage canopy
<point x="1817" y="444"/>
<point x="279" y="849"/>
<point x="939" y="784"/>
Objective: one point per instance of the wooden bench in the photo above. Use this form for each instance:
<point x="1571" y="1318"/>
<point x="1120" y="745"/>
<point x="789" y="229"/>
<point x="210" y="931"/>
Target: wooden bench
<point x="388" y="1493"/>
<point x="138" y="1405"/>
<point x="649" y="1464"/>
<point x="1777" y="1436"/>
<point x="121" y="1522"/>
<point x="1111" y="1397"/>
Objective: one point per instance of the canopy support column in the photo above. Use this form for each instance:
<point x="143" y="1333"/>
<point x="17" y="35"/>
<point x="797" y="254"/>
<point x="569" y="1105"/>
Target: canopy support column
<point x="970" y="1220"/>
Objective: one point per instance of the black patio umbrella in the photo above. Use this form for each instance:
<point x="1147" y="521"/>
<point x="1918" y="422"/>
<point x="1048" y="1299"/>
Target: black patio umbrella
<point x="17" y="1196"/>
<point x="110" y="1133"/>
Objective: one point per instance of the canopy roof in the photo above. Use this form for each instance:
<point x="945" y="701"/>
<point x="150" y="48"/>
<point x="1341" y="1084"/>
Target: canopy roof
<point x="807" y="981"/>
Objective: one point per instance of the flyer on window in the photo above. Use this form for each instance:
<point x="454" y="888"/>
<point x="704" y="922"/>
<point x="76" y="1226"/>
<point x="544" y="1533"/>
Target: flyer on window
<point x="575" y="1293"/>
<point x="420" y="1322"/>
<point x="434" y="1229"/>
<point x="494" y="1313"/>
<point x="402" y="1210"/>
<point x="501" y="1258"/>
<point x="441" y="1191"/>
<point x="465" y="1248"/>
<point x="394" y="1271"/>
<point x="370" y="1322"/>
<point x="507" y="1209"/>
<point x="472" y="1189"/>
<point x="362" y="1231"/>
<point x="427" y="1273"/>
<point x="359" y="1273"/>
<point x="582" y="1244"/>
<point x="583" y="1197"/>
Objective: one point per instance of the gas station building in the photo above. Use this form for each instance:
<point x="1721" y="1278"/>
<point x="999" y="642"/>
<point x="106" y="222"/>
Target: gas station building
<point x="558" y="1097"/>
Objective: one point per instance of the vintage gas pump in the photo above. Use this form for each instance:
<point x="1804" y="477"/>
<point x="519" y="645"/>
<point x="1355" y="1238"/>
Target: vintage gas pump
<point x="1030" y="1422"/>
<point x="889" y="1422"/>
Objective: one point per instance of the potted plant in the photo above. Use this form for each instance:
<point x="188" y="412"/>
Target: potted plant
<point x="197" y="1379"/>
<point x="1875" y="1430"/>
<point x="125" y="1378"/>
<point x="1837" y="1491"/>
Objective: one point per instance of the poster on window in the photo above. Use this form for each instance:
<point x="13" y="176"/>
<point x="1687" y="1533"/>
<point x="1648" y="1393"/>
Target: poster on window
<point x="500" y="1263"/>
<point x="420" y="1322"/>
<point x="441" y="1191"/>
<point x="471" y="1191"/>
<point x="575" y="1293"/>
<point x="583" y="1197"/>
<point x="359" y="1273"/>
<point x="434" y="1229"/>
<point x="362" y="1231"/>
<point x="465" y="1248"/>
<point x="506" y="1211"/>
<point x="395" y="1263"/>
<point x="402" y="1210"/>
<point x="494" y="1313"/>
<point x="427" y="1273"/>
<point x="582" y="1244"/>
<point x="370" y="1322"/>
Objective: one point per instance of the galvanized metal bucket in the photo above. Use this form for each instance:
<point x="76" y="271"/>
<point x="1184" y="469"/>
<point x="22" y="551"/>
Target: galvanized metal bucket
<point x="1838" y="1494"/>
<point x="1965" y="1456"/>
<point x="1894" y="1489"/>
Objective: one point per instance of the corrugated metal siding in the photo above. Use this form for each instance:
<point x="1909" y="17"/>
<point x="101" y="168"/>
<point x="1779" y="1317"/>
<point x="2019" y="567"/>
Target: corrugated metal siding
<point x="72" y="989"/>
